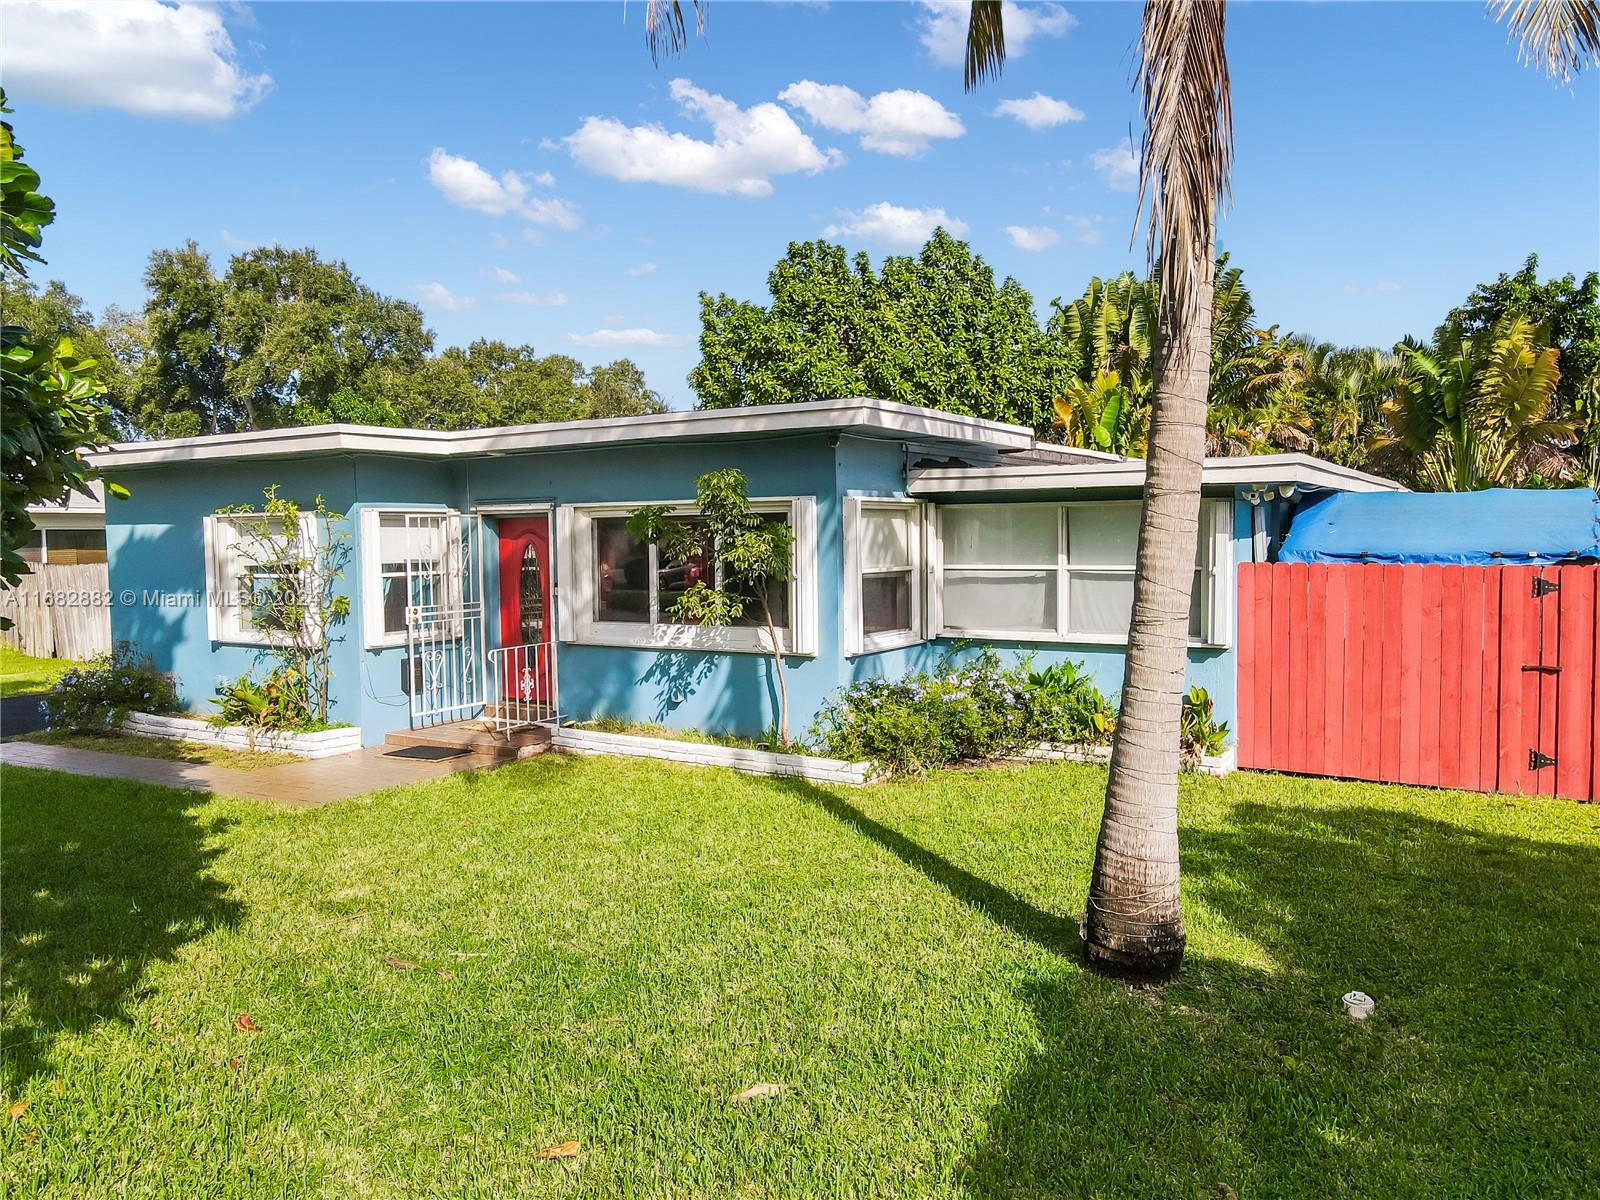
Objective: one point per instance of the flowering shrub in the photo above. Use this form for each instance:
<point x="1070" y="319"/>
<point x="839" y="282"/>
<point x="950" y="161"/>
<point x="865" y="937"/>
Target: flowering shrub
<point x="95" y="697"/>
<point x="977" y="710"/>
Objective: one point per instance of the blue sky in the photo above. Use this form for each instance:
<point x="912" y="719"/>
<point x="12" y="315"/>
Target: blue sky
<point x="1389" y="155"/>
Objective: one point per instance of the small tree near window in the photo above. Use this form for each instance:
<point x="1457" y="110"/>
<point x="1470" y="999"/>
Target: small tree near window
<point x="289" y="590"/>
<point x="748" y="554"/>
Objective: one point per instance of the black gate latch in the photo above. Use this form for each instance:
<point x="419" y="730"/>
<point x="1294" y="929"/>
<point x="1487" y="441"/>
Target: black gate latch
<point x="1538" y="762"/>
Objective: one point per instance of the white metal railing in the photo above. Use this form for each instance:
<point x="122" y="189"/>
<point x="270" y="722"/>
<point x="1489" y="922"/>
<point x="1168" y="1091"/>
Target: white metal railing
<point x="522" y="686"/>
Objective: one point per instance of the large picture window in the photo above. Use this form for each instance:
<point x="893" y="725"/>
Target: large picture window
<point x="1064" y="572"/>
<point x="620" y="592"/>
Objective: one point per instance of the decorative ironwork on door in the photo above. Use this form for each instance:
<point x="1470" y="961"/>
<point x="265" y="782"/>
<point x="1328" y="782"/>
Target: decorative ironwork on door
<point x="444" y="617"/>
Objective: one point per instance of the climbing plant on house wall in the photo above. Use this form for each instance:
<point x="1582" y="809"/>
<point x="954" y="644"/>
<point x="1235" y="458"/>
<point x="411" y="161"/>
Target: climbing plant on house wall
<point x="286" y="563"/>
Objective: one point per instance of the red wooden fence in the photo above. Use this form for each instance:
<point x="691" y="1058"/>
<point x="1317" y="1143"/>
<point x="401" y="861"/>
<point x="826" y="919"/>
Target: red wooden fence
<point x="1463" y="677"/>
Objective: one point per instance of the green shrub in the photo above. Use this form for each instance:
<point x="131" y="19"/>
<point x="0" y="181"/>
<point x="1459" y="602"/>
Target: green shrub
<point x="96" y="697"/>
<point x="978" y="710"/>
<point x="1203" y="735"/>
<point x="282" y="700"/>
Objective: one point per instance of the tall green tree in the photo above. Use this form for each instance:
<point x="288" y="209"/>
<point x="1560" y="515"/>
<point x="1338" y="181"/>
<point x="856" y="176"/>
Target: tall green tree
<point x="53" y="312"/>
<point x="50" y="393"/>
<point x="1477" y="414"/>
<point x="279" y="329"/>
<point x="1565" y="314"/>
<point x="934" y="329"/>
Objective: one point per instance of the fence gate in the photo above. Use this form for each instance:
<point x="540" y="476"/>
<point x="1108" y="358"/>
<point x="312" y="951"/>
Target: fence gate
<point x="444" y="617"/>
<point x="1453" y="676"/>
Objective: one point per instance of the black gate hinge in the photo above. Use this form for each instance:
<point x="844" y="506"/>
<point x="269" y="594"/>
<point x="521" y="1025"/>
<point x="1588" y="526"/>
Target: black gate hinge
<point x="1545" y="587"/>
<point x="1538" y="762"/>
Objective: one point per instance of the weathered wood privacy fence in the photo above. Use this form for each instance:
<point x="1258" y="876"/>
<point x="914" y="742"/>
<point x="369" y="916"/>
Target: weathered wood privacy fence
<point x="59" y="611"/>
<point x="1479" y="677"/>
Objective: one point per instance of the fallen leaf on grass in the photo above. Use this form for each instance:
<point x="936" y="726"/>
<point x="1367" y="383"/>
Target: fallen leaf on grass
<point x="245" y="1024"/>
<point x="757" y="1091"/>
<point x="235" y="1063"/>
<point x="399" y="964"/>
<point x="17" y="1109"/>
<point x="444" y="973"/>
<point x="559" y="1150"/>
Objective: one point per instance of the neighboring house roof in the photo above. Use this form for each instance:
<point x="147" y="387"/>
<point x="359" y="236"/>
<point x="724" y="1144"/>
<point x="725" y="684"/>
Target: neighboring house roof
<point x="935" y="431"/>
<point x="1498" y="526"/>
<point x="1260" y="470"/>
<point x="76" y="504"/>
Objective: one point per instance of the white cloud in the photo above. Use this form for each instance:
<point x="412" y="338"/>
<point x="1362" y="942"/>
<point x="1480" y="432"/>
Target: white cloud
<point x="1039" y="111"/>
<point x="149" y="59"/>
<point x="625" y="337"/>
<point x="748" y="147"/>
<point x="644" y="268"/>
<point x="436" y="295"/>
<point x="899" y="122"/>
<point x="944" y="27"/>
<point x="1383" y="287"/>
<point x="534" y="300"/>
<point x="1087" y="228"/>
<point x="502" y="276"/>
<point x="892" y="225"/>
<point x="1117" y="166"/>
<point x="237" y="243"/>
<point x="467" y="185"/>
<point x="545" y="180"/>
<point x="1032" y="237"/>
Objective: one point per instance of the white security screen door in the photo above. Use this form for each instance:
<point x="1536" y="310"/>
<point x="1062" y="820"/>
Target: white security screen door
<point x="444" y="617"/>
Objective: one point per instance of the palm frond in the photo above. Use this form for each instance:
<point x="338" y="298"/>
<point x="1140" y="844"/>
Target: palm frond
<point x="665" y="30"/>
<point x="1187" y="150"/>
<point x="986" y="43"/>
<point x="1559" y="37"/>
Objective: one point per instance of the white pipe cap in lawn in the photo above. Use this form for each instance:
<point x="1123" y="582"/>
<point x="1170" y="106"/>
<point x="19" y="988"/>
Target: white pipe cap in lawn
<point x="1358" y="1005"/>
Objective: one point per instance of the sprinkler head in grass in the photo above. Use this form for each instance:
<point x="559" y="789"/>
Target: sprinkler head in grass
<point x="1358" y="1005"/>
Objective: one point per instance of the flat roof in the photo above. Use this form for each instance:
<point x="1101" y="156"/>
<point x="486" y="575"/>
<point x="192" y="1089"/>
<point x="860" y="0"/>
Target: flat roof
<point x="1260" y="470"/>
<point x="859" y="416"/>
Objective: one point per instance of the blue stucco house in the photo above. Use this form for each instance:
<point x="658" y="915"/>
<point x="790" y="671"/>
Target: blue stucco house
<point x="493" y="565"/>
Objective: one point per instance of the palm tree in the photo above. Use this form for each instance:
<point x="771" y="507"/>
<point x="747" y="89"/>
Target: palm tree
<point x="1134" y="921"/>
<point x="1477" y="414"/>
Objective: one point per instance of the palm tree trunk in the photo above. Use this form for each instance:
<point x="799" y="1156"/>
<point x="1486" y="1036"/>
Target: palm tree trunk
<point x="1135" y="922"/>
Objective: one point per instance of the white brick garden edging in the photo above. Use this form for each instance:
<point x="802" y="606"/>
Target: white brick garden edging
<point x="752" y="762"/>
<point x="1225" y="763"/>
<point x="324" y="743"/>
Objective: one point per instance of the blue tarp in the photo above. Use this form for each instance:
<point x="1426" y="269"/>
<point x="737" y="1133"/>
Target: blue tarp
<point x="1503" y="525"/>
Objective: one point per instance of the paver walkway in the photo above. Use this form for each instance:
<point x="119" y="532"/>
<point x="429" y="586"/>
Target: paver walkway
<point x="303" y="784"/>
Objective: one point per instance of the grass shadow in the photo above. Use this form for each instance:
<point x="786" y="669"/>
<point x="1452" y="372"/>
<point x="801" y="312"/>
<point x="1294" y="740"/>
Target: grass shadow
<point x="1050" y="931"/>
<point x="96" y="883"/>
<point x="1477" y="1075"/>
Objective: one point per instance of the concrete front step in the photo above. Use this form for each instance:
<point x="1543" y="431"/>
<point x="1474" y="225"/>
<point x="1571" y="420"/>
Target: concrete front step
<point x="471" y="738"/>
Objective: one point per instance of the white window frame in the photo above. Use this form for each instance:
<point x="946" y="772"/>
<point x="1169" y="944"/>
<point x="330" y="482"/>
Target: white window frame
<point x="1213" y="583"/>
<point x="225" y="620"/>
<point x="857" y="640"/>
<point x="575" y="585"/>
<point x="373" y="634"/>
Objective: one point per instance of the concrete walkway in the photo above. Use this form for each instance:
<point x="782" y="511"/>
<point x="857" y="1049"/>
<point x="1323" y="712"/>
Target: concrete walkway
<point x="302" y="784"/>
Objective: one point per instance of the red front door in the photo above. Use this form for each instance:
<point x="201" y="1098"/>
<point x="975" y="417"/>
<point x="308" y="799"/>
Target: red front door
<point x="526" y="615"/>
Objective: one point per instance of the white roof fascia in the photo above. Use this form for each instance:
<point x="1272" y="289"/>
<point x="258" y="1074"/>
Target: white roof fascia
<point x="878" y="418"/>
<point x="1301" y="470"/>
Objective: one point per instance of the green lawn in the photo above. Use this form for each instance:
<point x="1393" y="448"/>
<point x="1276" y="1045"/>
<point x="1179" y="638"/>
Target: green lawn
<point x="24" y="675"/>
<point x="606" y="950"/>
